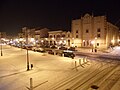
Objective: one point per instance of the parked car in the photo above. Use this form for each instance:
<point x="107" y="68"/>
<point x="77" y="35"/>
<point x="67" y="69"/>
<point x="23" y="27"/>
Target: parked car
<point x="72" y="48"/>
<point x="53" y="47"/>
<point x="34" y="48"/>
<point x="40" y="49"/>
<point x="68" y="53"/>
<point x="62" y="48"/>
<point x="29" y="47"/>
<point x="50" y="52"/>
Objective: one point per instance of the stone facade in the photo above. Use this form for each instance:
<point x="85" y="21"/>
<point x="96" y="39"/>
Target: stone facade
<point x="60" y="37"/>
<point x="89" y="31"/>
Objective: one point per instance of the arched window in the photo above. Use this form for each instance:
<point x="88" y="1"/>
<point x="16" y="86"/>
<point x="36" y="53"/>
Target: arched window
<point x="50" y="36"/>
<point x="63" y="35"/>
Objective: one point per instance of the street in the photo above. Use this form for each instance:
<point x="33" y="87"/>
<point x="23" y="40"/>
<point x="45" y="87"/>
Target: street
<point x="52" y="72"/>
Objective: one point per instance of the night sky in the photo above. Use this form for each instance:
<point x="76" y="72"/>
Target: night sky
<point x="54" y="14"/>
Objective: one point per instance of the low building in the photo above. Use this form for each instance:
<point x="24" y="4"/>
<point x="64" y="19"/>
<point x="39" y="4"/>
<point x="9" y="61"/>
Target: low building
<point x="60" y="37"/>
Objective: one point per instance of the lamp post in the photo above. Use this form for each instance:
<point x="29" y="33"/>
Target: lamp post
<point x="1" y="45"/>
<point x="92" y="43"/>
<point x="26" y="33"/>
<point x="95" y="44"/>
<point x="1" y="49"/>
<point x="21" y="39"/>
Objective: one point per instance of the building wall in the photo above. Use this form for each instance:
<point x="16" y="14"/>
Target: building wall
<point x="43" y="32"/>
<point x="96" y="29"/>
<point x="60" y="37"/>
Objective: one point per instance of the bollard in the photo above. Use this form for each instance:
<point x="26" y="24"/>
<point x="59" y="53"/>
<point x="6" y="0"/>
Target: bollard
<point x="63" y="54"/>
<point x="76" y="66"/>
<point x="80" y="63"/>
<point x="31" y="66"/>
<point x="31" y="84"/>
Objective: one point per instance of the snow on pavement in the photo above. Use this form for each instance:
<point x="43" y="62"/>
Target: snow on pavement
<point x="57" y="72"/>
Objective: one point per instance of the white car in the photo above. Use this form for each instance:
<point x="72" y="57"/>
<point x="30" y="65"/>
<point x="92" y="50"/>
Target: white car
<point x="38" y="49"/>
<point x="34" y="48"/>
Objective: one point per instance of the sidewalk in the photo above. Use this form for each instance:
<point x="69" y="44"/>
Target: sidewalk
<point x="111" y="51"/>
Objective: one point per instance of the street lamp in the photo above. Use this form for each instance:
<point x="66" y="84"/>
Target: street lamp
<point x="1" y="49"/>
<point x="1" y="46"/>
<point x="21" y="39"/>
<point x="95" y="44"/>
<point x="92" y="42"/>
<point x="26" y="33"/>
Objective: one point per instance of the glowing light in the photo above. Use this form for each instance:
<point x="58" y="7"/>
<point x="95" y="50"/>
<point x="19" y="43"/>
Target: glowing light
<point x="21" y="39"/>
<point x="113" y="41"/>
<point x="16" y="40"/>
<point x="95" y="37"/>
<point x="11" y="41"/>
<point x="42" y="41"/>
<point x="83" y="40"/>
<point x="118" y="40"/>
<point x="60" y="42"/>
<point x="32" y="39"/>
<point x="64" y="41"/>
<point x="72" y="44"/>
<point x="92" y="42"/>
<point x="52" y="38"/>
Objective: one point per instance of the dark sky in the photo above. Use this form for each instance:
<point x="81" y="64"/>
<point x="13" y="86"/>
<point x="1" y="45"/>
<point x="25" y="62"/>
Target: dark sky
<point x="57" y="14"/>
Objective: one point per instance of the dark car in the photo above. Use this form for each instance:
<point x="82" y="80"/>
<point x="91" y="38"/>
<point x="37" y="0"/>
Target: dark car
<point x="50" y="52"/>
<point x="72" y="48"/>
<point x="63" y="48"/>
<point x="53" y="47"/>
<point x="68" y="53"/>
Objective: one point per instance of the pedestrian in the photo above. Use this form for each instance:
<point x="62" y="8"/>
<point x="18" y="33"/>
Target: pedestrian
<point x="31" y="66"/>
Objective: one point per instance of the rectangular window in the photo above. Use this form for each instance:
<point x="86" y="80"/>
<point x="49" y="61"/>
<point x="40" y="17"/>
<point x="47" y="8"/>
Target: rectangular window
<point x="84" y="43"/>
<point x="87" y="31"/>
<point x="98" y="35"/>
<point x="97" y="44"/>
<point x="68" y="35"/>
<point x="87" y="43"/>
<point x="76" y="31"/>
<point x="76" y="36"/>
<point x="98" y="30"/>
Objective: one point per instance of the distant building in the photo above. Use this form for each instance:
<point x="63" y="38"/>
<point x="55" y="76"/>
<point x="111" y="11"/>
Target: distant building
<point x="60" y="37"/>
<point x="2" y="34"/>
<point x="41" y="33"/>
<point x="94" y="31"/>
<point x="34" y="34"/>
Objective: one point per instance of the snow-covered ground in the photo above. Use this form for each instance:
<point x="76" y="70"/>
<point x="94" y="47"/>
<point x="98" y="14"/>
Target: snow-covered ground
<point x="51" y="72"/>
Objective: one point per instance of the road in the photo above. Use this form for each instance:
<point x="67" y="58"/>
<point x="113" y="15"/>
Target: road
<point x="58" y="73"/>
